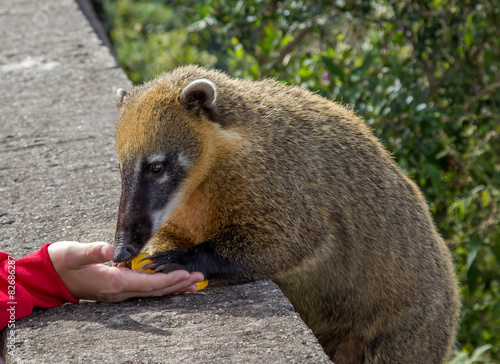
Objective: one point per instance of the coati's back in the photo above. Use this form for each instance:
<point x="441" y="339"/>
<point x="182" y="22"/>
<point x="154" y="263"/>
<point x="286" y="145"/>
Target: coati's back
<point x="265" y="180"/>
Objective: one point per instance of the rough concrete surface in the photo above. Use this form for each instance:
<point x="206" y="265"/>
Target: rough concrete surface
<point x="238" y="324"/>
<point x="59" y="180"/>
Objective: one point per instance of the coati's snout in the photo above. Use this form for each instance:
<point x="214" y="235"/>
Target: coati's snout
<point x="129" y="240"/>
<point x="150" y="192"/>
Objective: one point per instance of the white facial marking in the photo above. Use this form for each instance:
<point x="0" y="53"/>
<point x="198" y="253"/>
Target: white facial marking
<point x="183" y="159"/>
<point x="164" y="178"/>
<point x="160" y="216"/>
<point x="137" y="169"/>
<point x="155" y="158"/>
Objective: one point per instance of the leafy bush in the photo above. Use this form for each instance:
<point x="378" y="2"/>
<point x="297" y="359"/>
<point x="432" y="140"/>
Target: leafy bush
<point x="425" y="75"/>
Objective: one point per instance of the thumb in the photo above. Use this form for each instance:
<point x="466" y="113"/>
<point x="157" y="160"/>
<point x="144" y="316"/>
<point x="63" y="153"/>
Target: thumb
<point x="97" y="252"/>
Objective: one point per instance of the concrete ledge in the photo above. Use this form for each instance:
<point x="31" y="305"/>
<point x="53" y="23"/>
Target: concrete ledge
<point x="59" y="180"/>
<point x="238" y="324"/>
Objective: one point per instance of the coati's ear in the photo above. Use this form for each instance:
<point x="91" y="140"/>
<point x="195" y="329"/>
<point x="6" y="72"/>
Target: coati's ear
<point x="200" y="93"/>
<point x="120" y="93"/>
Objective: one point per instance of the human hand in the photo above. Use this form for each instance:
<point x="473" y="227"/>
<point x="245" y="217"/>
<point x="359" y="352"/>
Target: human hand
<point x="79" y="267"/>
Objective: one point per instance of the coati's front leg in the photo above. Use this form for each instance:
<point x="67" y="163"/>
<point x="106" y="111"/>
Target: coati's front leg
<point x="226" y="257"/>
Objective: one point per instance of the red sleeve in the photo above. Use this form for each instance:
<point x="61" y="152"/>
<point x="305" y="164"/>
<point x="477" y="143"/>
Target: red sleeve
<point x="29" y="282"/>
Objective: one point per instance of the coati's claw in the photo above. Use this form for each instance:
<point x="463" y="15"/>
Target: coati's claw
<point x="160" y="268"/>
<point x="167" y="261"/>
<point x="148" y="266"/>
<point x="147" y="257"/>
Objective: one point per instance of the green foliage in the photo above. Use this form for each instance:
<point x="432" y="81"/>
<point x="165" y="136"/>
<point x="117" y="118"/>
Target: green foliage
<point x="478" y="356"/>
<point x="425" y="75"/>
<point x="150" y="38"/>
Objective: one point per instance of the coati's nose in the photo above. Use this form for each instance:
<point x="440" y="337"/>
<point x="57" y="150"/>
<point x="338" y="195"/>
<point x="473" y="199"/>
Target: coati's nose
<point x="123" y="253"/>
<point x="129" y="240"/>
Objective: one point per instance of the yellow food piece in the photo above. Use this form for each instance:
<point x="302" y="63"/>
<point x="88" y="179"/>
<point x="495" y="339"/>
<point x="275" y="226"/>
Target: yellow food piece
<point x="136" y="265"/>
<point x="202" y="284"/>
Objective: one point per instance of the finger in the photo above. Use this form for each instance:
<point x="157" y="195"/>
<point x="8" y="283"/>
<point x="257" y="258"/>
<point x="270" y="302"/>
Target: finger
<point x="173" y="282"/>
<point x="188" y="285"/>
<point x="107" y="252"/>
<point x="96" y="252"/>
<point x="76" y="255"/>
<point x="177" y="288"/>
<point x="62" y="254"/>
<point x="190" y="289"/>
<point x="133" y="281"/>
<point x="198" y="276"/>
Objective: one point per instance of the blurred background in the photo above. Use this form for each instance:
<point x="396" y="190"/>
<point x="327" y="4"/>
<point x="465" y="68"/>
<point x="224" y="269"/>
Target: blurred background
<point x="425" y="75"/>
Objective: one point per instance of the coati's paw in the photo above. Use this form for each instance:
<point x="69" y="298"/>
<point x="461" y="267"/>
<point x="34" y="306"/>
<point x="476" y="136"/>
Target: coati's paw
<point x="168" y="261"/>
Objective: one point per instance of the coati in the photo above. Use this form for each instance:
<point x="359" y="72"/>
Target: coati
<point x="244" y="180"/>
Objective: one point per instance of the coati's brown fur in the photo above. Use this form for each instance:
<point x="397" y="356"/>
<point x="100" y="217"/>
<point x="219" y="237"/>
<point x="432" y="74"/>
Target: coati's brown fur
<point x="281" y="183"/>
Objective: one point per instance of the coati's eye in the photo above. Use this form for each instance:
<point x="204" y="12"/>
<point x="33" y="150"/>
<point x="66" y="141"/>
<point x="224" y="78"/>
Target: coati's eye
<point x="155" y="168"/>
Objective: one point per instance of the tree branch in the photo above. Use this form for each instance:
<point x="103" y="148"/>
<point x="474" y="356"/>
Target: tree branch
<point x="483" y="92"/>
<point x="292" y="44"/>
<point x="299" y="37"/>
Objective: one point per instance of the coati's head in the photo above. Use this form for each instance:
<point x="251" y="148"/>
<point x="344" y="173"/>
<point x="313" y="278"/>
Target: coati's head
<point x="163" y="143"/>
